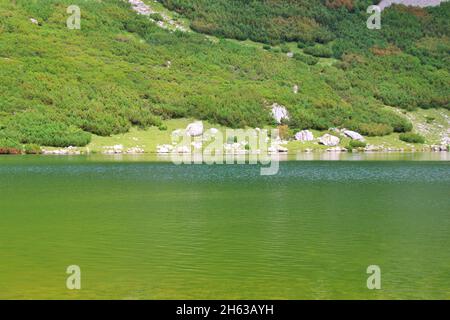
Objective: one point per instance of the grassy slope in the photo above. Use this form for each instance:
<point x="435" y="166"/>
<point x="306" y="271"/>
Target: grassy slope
<point x="150" y="138"/>
<point x="112" y="73"/>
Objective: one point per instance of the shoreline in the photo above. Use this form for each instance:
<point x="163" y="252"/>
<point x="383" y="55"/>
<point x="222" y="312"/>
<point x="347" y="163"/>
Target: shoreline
<point x="244" y="159"/>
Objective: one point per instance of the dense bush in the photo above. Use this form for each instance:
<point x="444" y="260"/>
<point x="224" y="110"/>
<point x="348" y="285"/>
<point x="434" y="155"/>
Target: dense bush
<point x="39" y="128"/>
<point x="58" y="86"/>
<point x="319" y="50"/>
<point x="375" y="129"/>
<point x="9" y="146"/>
<point x="306" y="59"/>
<point x="32" y="149"/>
<point x="356" y="144"/>
<point x="412" y="137"/>
<point x="408" y="56"/>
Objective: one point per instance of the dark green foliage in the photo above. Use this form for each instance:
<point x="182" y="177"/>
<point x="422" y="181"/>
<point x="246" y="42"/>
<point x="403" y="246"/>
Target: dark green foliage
<point x="57" y="85"/>
<point x="355" y="144"/>
<point x="405" y="64"/>
<point x="375" y="129"/>
<point x="285" y="48"/>
<point x="430" y="119"/>
<point x="32" y="149"/>
<point x="9" y="146"/>
<point x="319" y="50"/>
<point x="306" y="58"/>
<point x="412" y="137"/>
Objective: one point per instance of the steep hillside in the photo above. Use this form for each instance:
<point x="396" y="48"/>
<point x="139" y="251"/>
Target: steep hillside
<point x="59" y="86"/>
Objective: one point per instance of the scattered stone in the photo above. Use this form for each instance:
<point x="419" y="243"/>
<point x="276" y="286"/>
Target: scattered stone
<point x="195" y="129"/>
<point x="65" y="151"/>
<point x="372" y="148"/>
<point x="304" y="135"/>
<point x="290" y="54"/>
<point x="282" y="149"/>
<point x="438" y="148"/>
<point x="329" y="140"/>
<point x="34" y="21"/>
<point x="141" y="8"/>
<point x="295" y="89"/>
<point x="354" y="135"/>
<point x="183" y="149"/>
<point x="445" y="141"/>
<point x="135" y="150"/>
<point x="165" y="148"/>
<point x="337" y="149"/>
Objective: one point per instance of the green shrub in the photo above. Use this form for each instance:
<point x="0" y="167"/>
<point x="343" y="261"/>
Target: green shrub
<point x="356" y="144"/>
<point x="38" y="128"/>
<point x="430" y="119"/>
<point x="267" y="47"/>
<point x="9" y="146"/>
<point x="412" y="137"/>
<point x="32" y="149"/>
<point x="319" y="50"/>
<point x="309" y="60"/>
<point x="375" y="129"/>
<point x="162" y="127"/>
<point x="285" y="48"/>
<point x="156" y="17"/>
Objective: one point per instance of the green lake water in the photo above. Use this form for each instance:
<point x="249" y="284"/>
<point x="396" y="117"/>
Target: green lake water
<point x="154" y="230"/>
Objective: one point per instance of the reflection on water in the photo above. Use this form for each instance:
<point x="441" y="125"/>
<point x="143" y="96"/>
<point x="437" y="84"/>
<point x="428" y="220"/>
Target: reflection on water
<point x="149" y="230"/>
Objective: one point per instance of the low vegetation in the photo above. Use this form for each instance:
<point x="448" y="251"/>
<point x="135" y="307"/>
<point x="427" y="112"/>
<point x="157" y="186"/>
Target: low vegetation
<point x="61" y="87"/>
<point x="412" y="137"/>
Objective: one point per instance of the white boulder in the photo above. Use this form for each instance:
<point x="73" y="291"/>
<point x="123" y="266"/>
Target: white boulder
<point x="329" y="140"/>
<point x="279" y="112"/>
<point x="165" y="148"/>
<point x="304" y="135"/>
<point x="195" y="129"/>
<point x="353" y="135"/>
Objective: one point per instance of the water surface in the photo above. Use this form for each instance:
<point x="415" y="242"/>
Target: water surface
<point x="154" y="230"/>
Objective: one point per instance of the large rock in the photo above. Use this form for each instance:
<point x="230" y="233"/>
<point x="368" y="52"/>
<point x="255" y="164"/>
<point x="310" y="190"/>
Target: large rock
<point x="165" y="148"/>
<point x="195" y="129"/>
<point x="413" y="3"/>
<point x="353" y="135"/>
<point x="329" y="140"/>
<point x="304" y="135"/>
<point x="279" y="113"/>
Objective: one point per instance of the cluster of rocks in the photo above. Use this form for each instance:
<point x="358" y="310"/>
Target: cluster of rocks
<point x="119" y="149"/>
<point x="65" y="151"/>
<point x="304" y="135"/>
<point x="196" y="129"/>
<point x="166" y="23"/>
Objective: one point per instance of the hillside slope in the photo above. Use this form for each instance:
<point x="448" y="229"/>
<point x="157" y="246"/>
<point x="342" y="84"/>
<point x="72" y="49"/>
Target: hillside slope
<point x="59" y="86"/>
